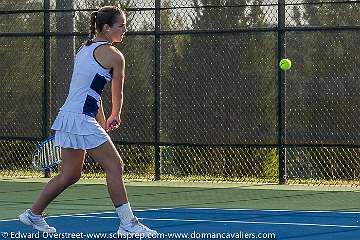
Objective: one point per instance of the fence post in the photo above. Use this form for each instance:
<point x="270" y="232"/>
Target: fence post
<point x="47" y="75"/>
<point x="157" y="75"/>
<point x="281" y="94"/>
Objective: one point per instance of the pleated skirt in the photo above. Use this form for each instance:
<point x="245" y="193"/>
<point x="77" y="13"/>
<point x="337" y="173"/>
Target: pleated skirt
<point x="78" y="131"/>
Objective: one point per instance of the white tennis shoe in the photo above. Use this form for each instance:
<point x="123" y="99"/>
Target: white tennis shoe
<point x="37" y="222"/>
<point x="136" y="228"/>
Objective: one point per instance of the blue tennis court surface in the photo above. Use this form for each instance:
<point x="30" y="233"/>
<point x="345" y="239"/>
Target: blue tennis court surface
<point x="209" y="223"/>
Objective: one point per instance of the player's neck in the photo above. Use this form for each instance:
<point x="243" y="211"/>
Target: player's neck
<point x="101" y="38"/>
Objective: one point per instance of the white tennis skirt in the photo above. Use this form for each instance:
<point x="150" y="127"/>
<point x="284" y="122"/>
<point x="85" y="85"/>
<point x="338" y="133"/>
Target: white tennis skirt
<point x="78" y="131"/>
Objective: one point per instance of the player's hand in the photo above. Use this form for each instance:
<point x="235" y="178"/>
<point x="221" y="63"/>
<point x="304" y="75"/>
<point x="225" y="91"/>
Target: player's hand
<point x="113" y="122"/>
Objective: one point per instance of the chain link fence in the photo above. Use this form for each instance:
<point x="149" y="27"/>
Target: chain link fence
<point x="204" y="98"/>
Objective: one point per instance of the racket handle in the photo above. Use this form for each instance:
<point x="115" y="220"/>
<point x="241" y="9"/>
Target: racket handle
<point x="112" y="124"/>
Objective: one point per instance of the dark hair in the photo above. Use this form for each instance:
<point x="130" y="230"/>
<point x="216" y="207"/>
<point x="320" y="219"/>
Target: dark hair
<point x="105" y="15"/>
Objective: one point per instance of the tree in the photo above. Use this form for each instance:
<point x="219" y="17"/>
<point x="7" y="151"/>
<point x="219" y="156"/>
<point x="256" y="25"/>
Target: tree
<point x="63" y="56"/>
<point x="216" y="93"/>
<point x="21" y="73"/>
<point x="322" y="93"/>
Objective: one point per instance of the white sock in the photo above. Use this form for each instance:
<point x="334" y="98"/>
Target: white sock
<point x="125" y="213"/>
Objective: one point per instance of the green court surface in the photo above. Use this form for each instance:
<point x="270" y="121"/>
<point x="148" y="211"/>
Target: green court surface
<point x="91" y="196"/>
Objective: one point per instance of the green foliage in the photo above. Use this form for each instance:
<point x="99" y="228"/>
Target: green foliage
<point x="21" y="72"/>
<point x="322" y="86"/>
<point x="16" y="155"/>
<point x="270" y="168"/>
<point x="216" y="90"/>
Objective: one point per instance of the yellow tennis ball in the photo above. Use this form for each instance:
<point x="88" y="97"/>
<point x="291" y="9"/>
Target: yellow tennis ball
<point x="285" y="64"/>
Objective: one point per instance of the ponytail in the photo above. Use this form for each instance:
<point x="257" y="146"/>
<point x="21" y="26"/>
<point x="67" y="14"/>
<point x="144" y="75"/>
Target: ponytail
<point x="92" y="32"/>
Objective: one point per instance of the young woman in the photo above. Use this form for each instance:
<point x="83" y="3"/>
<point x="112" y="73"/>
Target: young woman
<point x="76" y="129"/>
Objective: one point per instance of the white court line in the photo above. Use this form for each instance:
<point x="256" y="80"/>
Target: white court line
<point x="86" y="214"/>
<point x="225" y="221"/>
<point x="83" y="214"/>
<point x="64" y="215"/>
<point x="93" y="215"/>
<point x="232" y="209"/>
<point x="177" y="208"/>
<point x="242" y="222"/>
<point x="246" y="222"/>
<point x="266" y="210"/>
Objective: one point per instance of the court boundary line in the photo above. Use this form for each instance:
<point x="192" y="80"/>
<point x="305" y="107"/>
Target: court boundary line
<point x="273" y="210"/>
<point x="215" y="221"/>
<point x="233" y="221"/>
<point x="222" y="209"/>
<point x="252" y="222"/>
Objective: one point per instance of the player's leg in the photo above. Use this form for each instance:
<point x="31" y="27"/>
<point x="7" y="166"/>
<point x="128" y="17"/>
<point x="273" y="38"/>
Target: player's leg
<point x="109" y="158"/>
<point x="72" y="163"/>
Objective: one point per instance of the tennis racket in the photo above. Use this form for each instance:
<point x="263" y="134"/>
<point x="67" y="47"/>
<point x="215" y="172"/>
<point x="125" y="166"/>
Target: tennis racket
<point x="46" y="155"/>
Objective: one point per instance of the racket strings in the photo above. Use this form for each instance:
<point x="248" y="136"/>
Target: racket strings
<point x="47" y="155"/>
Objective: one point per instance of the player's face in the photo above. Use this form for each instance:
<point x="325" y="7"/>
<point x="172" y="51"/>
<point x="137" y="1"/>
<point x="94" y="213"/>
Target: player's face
<point x="118" y="30"/>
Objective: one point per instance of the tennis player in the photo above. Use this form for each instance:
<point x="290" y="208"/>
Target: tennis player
<point x="81" y="125"/>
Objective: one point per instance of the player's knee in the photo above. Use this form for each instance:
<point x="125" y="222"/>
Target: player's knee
<point x="117" y="167"/>
<point x="70" y="179"/>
